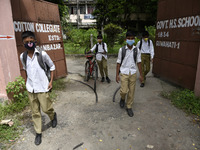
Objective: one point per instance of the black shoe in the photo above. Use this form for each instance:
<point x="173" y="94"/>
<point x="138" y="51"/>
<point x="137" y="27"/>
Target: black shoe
<point x="130" y="112"/>
<point x="38" y="139"/>
<point x="54" y="121"/>
<point x="142" y="85"/>
<point x="122" y="103"/>
<point x="108" y="80"/>
<point x="102" y="79"/>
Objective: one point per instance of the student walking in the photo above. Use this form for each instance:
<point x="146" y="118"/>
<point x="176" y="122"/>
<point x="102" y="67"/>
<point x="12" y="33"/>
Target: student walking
<point x="37" y="82"/>
<point x="128" y="57"/>
<point x="147" y="53"/>
<point x="101" y="57"/>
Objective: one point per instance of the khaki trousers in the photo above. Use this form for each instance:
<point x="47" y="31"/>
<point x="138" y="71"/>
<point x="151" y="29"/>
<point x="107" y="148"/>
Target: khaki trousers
<point x="103" y="67"/>
<point x="42" y="100"/>
<point x="128" y="86"/>
<point x="145" y="65"/>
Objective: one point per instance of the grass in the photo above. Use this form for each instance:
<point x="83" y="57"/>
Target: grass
<point x="70" y="48"/>
<point x="184" y="99"/>
<point x="14" y="111"/>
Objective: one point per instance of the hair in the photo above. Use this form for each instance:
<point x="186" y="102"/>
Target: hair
<point x="26" y="34"/>
<point x="145" y="33"/>
<point x="99" y="36"/>
<point x="130" y="33"/>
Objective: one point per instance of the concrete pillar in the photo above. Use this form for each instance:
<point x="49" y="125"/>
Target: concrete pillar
<point x="86" y="8"/>
<point x="197" y="82"/>
<point x="9" y="63"/>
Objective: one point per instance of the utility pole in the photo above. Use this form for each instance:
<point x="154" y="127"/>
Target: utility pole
<point x="78" y="13"/>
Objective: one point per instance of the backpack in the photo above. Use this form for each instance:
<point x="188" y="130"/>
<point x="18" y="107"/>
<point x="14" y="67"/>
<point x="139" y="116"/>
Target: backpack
<point x="42" y="64"/>
<point x="141" y="43"/>
<point x="96" y="50"/>
<point x="124" y="54"/>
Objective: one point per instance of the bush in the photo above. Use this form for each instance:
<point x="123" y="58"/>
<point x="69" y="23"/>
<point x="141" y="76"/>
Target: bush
<point x="16" y="89"/>
<point x="112" y="31"/>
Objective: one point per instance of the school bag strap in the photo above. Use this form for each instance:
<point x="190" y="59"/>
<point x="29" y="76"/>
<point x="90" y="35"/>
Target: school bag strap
<point x="25" y="58"/>
<point x="124" y="54"/>
<point x="41" y="62"/>
<point x="96" y="50"/>
<point x="141" y="43"/>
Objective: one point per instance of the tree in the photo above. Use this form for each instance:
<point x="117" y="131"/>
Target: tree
<point x="120" y="11"/>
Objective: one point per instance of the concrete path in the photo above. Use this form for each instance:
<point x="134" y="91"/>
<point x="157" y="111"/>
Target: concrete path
<point x="156" y="125"/>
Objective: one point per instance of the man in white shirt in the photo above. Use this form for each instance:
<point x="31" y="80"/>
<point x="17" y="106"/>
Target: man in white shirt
<point x="101" y="57"/>
<point x="127" y="68"/>
<point x="147" y="53"/>
<point x="37" y="83"/>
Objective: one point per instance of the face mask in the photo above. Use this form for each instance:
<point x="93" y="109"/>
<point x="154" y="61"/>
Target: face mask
<point x="30" y="45"/>
<point x="145" y="39"/>
<point x="99" y="40"/>
<point x="130" y="42"/>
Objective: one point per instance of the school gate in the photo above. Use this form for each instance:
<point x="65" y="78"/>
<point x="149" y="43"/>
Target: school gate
<point x="177" y="44"/>
<point x="38" y="16"/>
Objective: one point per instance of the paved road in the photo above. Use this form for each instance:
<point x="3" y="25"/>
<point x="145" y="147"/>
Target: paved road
<point x="156" y="125"/>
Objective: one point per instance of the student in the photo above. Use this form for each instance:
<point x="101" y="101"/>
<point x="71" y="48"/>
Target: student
<point x="147" y="53"/>
<point x="37" y="83"/>
<point x="127" y="67"/>
<point x="101" y="57"/>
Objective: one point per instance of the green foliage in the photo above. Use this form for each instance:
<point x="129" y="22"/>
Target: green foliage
<point x="184" y="99"/>
<point x="122" y="37"/>
<point x="81" y="37"/>
<point x="18" y="106"/>
<point x="120" y="11"/>
<point x="152" y="32"/>
<point x="112" y="31"/>
<point x="78" y="40"/>
<point x="16" y="89"/>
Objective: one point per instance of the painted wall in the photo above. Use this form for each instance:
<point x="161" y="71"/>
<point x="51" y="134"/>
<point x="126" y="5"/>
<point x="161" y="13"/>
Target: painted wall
<point x="9" y="64"/>
<point x="177" y="41"/>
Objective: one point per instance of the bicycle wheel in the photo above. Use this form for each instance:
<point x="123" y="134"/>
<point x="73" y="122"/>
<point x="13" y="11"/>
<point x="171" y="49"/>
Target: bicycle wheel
<point x="87" y="70"/>
<point x="95" y="75"/>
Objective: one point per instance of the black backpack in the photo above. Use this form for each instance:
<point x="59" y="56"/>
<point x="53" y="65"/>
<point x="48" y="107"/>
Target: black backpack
<point x="96" y="50"/>
<point x="141" y="43"/>
<point x="42" y="64"/>
<point x="124" y="54"/>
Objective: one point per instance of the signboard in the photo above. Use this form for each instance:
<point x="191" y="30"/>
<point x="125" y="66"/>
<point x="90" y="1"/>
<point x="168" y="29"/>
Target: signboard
<point x="177" y="41"/>
<point x="43" y="19"/>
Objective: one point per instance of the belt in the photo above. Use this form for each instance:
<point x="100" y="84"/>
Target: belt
<point x="145" y="54"/>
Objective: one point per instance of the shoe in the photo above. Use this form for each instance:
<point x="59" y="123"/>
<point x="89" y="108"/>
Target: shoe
<point x="38" y="139"/>
<point x="142" y="85"/>
<point x="54" y="121"/>
<point x="108" y="80"/>
<point x="130" y="112"/>
<point x="102" y="79"/>
<point x="122" y="103"/>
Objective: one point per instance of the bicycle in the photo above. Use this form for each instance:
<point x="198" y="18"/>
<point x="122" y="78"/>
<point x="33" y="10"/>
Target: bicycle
<point x="91" y="68"/>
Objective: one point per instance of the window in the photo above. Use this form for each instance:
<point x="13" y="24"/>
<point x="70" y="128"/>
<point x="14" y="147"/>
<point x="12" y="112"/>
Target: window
<point x="82" y="9"/>
<point x="90" y="9"/>
<point x="73" y="10"/>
